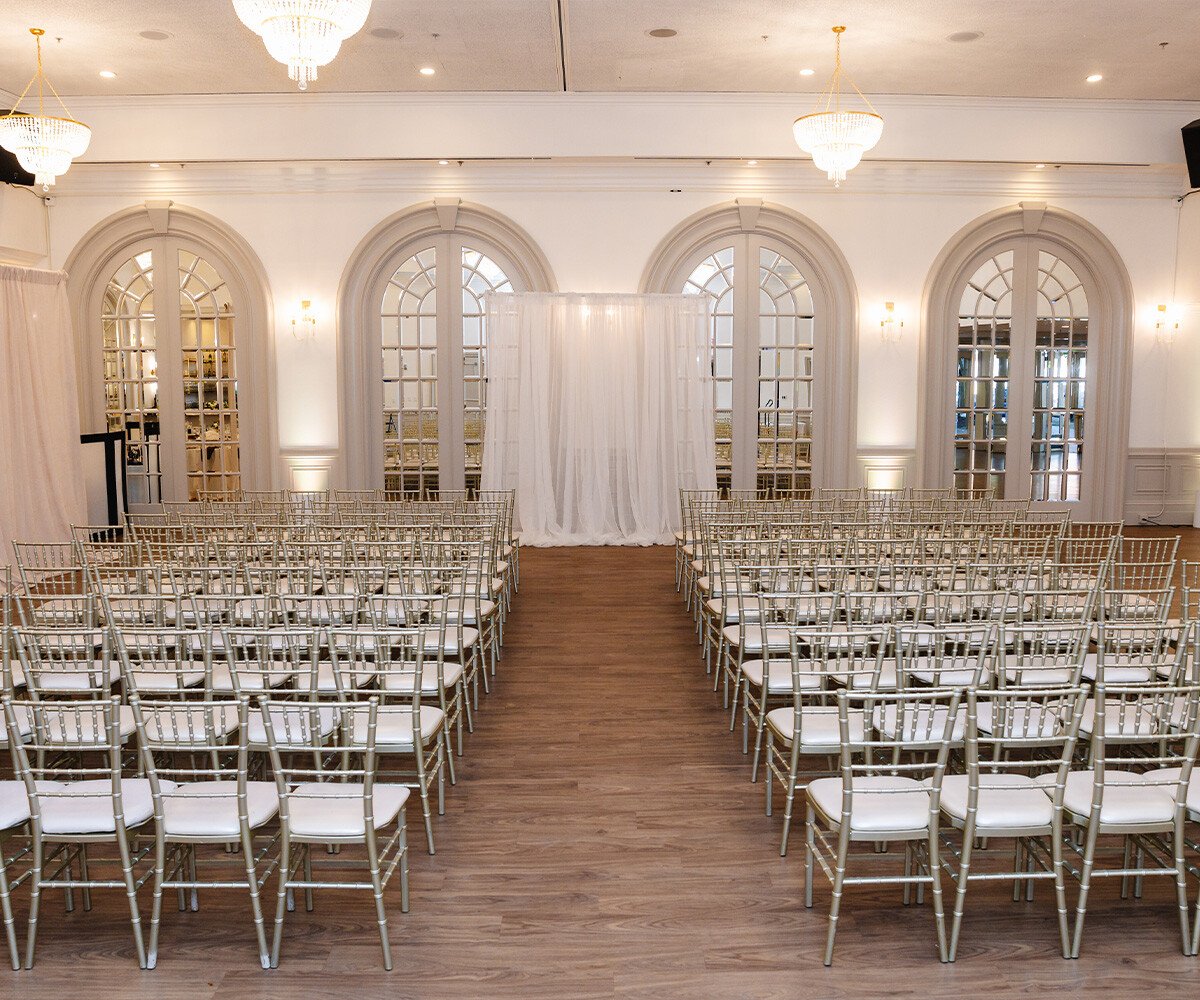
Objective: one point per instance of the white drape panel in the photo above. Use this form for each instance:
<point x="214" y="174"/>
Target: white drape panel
<point x="41" y="473"/>
<point x="599" y="410"/>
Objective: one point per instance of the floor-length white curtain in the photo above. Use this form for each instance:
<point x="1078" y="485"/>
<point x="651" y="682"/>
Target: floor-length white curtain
<point x="41" y="478"/>
<point x="599" y="411"/>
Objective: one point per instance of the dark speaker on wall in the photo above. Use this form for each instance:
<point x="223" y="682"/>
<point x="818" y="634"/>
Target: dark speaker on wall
<point x="1191" y="149"/>
<point x="10" y="169"/>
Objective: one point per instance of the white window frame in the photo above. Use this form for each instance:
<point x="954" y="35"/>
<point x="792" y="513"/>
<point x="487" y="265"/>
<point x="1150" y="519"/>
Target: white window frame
<point x="748" y="224"/>
<point x="163" y="227"/>
<point x="1110" y="342"/>
<point x="447" y="225"/>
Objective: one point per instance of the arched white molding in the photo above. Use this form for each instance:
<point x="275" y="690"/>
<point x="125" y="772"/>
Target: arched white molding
<point x="835" y="301"/>
<point x="359" y="294"/>
<point x="105" y="246"/>
<point x="1110" y="343"/>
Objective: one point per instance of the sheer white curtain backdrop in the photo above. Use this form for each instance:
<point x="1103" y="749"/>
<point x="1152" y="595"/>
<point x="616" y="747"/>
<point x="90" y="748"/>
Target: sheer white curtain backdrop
<point x="41" y="472"/>
<point x="599" y="410"/>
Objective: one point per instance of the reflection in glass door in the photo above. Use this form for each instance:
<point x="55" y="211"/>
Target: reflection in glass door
<point x="171" y="376"/>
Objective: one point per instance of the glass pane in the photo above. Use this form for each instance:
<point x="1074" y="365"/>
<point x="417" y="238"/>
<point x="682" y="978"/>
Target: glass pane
<point x="785" y="374"/>
<point x="130" y="348"/>
<point x="410" y="425"/>
<point x="713" y="277"/>
<point x="981" y="369"/>
<point x="480" y="275"/>
<point x="210" y="426"/>
<point x="1059" y="381"/>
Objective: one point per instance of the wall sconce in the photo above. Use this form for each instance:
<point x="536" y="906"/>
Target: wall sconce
<point x="890" y="326"/>
<point x="304" y="326"/>
<point x="1166" y="328"/>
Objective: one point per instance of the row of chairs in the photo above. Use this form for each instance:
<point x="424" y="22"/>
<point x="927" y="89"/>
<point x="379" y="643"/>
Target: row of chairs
<point x="952" y="700"/>
<point x="226" y="724"/>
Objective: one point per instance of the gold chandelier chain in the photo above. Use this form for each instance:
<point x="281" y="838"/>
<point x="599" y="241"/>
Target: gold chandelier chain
<point x="41" y="80"/>
<point x="830" y="99"/>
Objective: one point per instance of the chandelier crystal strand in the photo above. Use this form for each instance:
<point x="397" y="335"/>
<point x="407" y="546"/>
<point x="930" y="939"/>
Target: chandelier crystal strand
<point x="834" y="136"/>
<point x="44" y="145"/>
<point x="303" y="34"/>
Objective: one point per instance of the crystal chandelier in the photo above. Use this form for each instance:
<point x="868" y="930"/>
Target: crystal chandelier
<point x="304" y="34"/>
<point x="835" y="136"/>
<point x="43" y="144"/>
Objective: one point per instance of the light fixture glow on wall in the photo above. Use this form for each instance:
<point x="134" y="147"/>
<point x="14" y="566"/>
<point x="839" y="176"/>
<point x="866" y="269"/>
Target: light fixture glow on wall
<point x="1166" y="327"/>
<point x="303" y="34"/>
<point x="890" y="326"/>
<point x="304" y="324"/>
<point x="43" y="144"/>
<point x="834" y="136"/>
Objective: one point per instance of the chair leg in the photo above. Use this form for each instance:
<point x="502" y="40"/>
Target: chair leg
<point x="281" y="897"/>
<point x="1180" y="889"/>
<point x="10" y="930"/>
<point x="135" y="916"/>
<point x="939" y="912"/>
<point x="809" y="848"/>
<point x="835" y="903"/>
<point x="264" y="956"/>
<point x="1060" y="889"/>
<point x="1085" y="882"/>
<point x="35" y="898"/>
<point x="160" y="874"/>
<point x="960" y="892"/>
<point x="403" y="864"/>
<point x="423" y="781"/>
<point x="85" y="892"/>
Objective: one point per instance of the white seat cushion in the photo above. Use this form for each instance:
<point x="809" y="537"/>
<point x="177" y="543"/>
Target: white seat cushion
<point x="878" y="803"/>
<point x="921" y="725"/>
<point x="1169" y="778"/>
<point x="433" y="637"/>
<point x="87" y="677"/>
<point x="395" y="726"/>
<point x="819" y="731"/>
<point x="80" y="807"/>
<point x="1122" y="720"/>
<point x="70" y="729"/>
<point x="14" y="804"/>
<point x="210" y="808"/>
<point x="292" y="726"/>
<point x="438" y="610"/>
<point x="250" y="680"/>
<point x="1006" y="801"/>
<point x="1129" y="798"/>
<point x="404" y="680"/>
<point x="187" y="724"/>
<point x="779" y="676"/>
<point x="779" y="638"/>
<point x="1114" y="673"/>
<point x="335" y="809"/>
<point x="1020" y="723"/>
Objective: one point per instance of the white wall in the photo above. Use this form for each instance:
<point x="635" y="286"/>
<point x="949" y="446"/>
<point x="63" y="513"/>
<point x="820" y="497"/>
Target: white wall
<point x="598" y="218"/>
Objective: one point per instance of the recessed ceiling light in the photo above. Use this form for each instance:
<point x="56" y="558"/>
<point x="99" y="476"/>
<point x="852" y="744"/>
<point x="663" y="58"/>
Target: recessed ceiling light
<point x="1095" y="78"/>
<point x="154" y="166"/>
<point x="807" y="72"/>
<point x="443" y="163"/>
<point x="155" y="35"/>
<point x="427" y="71"/>
<point x="385" y="33"/>
<point x="1039" y="166"/>
<point x="108" y="74"/>
<point x="965" y="36"/>
<point x="662" y="32"/>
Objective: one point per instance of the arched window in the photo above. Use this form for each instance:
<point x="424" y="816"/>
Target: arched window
<point x="783" y="342"/>
<point x="414" y="343"/>
<point x="174" y="352"/>
<point x="1027" y="322"/>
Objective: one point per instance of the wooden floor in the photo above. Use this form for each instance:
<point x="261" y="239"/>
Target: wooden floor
<point x="604" y="840"/>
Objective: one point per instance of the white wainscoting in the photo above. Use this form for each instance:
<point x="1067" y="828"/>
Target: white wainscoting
<point x="1162" y="484"/>
<point x="887" y="468"/>
<point x="308" y="470"/>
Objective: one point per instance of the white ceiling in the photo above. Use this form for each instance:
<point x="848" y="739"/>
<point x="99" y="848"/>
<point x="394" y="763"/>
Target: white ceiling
<point x="1029" y="48"/>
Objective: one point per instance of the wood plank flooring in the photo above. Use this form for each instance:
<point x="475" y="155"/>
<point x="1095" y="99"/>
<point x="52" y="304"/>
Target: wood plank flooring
<point x="604" y="840"/>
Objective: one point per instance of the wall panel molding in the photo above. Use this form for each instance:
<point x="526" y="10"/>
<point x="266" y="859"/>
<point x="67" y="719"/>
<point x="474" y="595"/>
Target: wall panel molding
<point x="1162" y="480"/>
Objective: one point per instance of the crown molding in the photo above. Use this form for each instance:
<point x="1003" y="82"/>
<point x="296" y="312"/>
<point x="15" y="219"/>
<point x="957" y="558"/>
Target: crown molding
<point x="729" y="177"/>
<point x="537" y="100"/>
